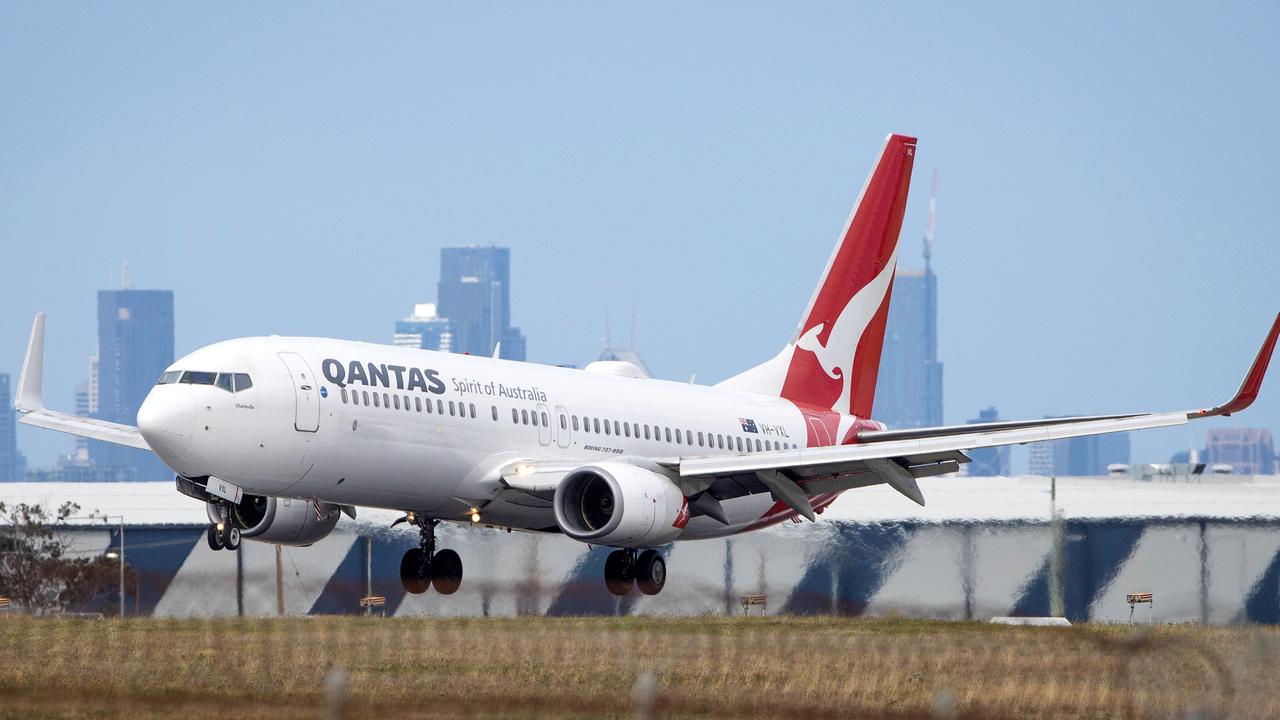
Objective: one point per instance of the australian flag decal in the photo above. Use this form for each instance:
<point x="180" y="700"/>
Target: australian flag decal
<point x="748" y="425"/>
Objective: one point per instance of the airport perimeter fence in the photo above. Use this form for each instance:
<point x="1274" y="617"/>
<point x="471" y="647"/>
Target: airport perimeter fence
<point x="810" y="667"/>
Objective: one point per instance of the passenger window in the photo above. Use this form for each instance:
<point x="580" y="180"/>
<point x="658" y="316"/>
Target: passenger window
<point x="668" y="434"/>
<point x="678" y="438"/>
<point x="524" y="416"/>
<point x="719" y="441"/>
<point x="545" y="423"/>
<point x="439" y="406"/>
<point x="366" y="398"/>
<point x="534" y="417"/>
<point x="596" y="424"/>
<point x="515" y="416"/>
<point x="452" y="410"/>
<point x="472" y="407"/>
<point x="243" y="382"/>
<point x="646" y="432"/>
<point x="606" y="428"/>
<point x="169" y="377"/>
<point x="575" y="423"/>
<point x="616" y="429"/>
<point x="626" y="428"/>
<point x="344" y="396"/>
<point x="417" y="404"/>
<point x="386" y="401"/>
<point x="494" y="408"/>
<point x="224" y="382"/>
<point x="758" y="448"/>
<point x="397" y="400"/>
<point x="739" y="444"/>
<point x="699" y="439"/>
<point x="375" y="400"/>
<point x="564" y="424"/>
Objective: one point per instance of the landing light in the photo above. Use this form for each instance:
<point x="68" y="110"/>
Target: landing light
<point x="524" y="469"/>
<point x="475" y="515"/>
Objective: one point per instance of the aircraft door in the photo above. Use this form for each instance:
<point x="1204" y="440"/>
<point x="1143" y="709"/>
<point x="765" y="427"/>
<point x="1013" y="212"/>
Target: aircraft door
<point x="306" y="395"/>
<point x="544" y="424"/>
<point x="820" y="432"/>
<point x="564" y="435"/>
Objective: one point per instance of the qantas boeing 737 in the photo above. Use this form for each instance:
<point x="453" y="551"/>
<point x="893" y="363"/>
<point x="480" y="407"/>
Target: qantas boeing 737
<point x="281" y="435"/>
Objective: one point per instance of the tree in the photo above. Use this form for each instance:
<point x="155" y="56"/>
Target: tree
<point x="38" y="571"/>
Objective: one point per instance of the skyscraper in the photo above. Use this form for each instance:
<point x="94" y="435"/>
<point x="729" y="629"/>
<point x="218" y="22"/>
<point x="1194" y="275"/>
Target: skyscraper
<point x="909" y="390"/>
<point x="1082" y="456"/>
<point x="8" y="436"/>
<point x="1249" y="451"/>
<point x="989" y="461"/>
<point x="135" y="345"/>
<point x="475" y="295"/>
<point x="424" y="329"/>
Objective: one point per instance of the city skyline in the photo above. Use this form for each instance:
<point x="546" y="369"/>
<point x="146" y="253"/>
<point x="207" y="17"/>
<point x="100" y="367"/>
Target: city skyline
<point x="1098" y="250"/>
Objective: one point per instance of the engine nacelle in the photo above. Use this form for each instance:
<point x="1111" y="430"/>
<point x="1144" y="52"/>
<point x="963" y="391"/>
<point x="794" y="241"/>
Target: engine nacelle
<point x="281" y="520"/>
<point x="615" y="503"/>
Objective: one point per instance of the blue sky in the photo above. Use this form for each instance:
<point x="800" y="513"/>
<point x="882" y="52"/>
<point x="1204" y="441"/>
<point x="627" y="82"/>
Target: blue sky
<point x="1106" y="235"/>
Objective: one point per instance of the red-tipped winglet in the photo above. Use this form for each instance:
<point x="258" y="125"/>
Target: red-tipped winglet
<point x="1249" y="388"/>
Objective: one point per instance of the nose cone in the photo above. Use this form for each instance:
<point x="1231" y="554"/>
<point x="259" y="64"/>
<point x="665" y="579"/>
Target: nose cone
<point x="166" y="421"/>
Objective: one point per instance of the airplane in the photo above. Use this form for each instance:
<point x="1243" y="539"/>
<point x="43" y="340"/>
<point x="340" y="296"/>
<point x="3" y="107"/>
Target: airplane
<point x="278" y="436"/>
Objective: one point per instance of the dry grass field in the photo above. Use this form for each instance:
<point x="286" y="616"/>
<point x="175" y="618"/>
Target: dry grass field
<point x="587" y="667"/>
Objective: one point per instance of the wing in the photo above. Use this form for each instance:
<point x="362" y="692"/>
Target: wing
<point x="898" y="457"/>
<point x="30" y="402"/>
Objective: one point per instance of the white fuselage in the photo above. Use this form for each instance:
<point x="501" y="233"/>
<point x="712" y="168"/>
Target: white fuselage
<point x="316" y="424"/>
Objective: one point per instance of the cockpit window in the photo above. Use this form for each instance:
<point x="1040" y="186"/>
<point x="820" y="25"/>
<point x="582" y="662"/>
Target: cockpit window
<point x="224" y="382"/>
<point x="169" y="377"/>
<point x="198" y="377"/>
<point x="243" y="382"/>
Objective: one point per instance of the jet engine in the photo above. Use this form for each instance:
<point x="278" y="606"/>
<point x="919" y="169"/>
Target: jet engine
<point x="281" y="520"/>
<point x="618" y="504"/>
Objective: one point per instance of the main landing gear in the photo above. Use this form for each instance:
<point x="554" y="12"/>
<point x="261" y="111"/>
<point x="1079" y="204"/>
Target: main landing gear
<point x="624" y="568"/>
<point x="424" y="566"/>
<point x="224" y="535"/>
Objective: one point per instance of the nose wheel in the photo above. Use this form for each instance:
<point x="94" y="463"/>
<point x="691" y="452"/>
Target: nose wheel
<point x="224" y="535"/>
<point x="624" y="569"/>
<point x="423" y="567"/>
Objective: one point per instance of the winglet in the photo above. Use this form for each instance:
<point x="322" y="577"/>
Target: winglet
<point x="30" y="396"/>
<point x="1248" y="391"/>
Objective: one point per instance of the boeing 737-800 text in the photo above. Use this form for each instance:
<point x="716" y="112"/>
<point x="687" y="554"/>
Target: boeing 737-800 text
<point x="281" y="435"/>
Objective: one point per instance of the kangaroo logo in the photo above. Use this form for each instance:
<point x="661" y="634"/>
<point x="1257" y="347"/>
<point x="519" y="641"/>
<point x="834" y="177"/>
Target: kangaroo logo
<point x="837" y="356"/>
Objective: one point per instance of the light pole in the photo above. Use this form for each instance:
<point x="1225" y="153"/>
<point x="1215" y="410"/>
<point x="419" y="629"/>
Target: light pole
<point x="121" y="554"/>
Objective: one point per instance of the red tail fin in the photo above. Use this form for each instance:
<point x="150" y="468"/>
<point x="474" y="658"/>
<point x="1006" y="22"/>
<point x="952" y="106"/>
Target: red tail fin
<point x="834" y="358"/>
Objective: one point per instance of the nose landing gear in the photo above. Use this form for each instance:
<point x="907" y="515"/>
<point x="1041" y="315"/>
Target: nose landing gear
<point x="224" y="535"/>
<point x="423" y="566"/>
<point x="625" y="568"/>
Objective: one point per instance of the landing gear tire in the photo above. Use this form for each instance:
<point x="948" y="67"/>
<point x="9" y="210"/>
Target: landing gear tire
<point x="415" y="571"/>
<point x="446" y="569"/>
<point x="214" y="538"/>
<point x="651" y="572"/>
<point x="617" y="573"/>
<point x="230" y="537"/>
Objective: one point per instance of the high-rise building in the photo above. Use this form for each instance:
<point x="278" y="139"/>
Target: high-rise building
<point x="135" y="345"/>
<point x="424" y="329"/>
<point x="909" y="389"/>
<point x="1249" y="451"/>
<point x="988" y="461"/>
<point x="1081" y="456"/>
<point x="475" y="295"/>
<point x="9" y="464"/>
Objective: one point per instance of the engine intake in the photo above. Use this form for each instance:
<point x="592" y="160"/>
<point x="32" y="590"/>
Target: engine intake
<point x="285" y="521"/>
<point x="618" y="504"/>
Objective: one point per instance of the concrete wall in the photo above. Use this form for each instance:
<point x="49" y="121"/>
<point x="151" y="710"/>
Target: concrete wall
<point x="1213" y="571"/>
